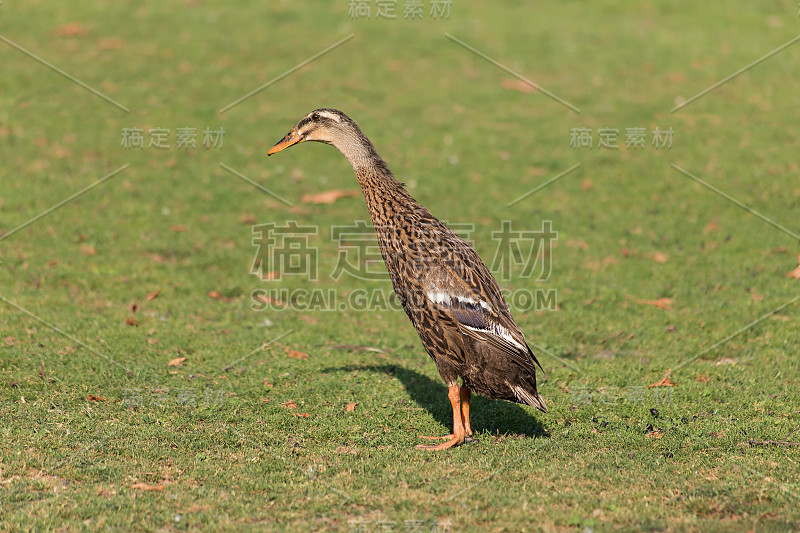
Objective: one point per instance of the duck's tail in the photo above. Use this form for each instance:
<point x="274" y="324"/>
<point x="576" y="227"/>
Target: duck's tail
<point x="531" y="398"/>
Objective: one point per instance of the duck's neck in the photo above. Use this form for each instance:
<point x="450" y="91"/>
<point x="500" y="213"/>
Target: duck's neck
<point x="358" y="150"/>
<point x="384" y="194"/>
<point x="386" y="197"/>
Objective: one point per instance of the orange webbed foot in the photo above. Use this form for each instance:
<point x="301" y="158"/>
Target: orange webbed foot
<point x="440" y="437"/>
<point x="455" y="441"/>
<point x="461" y="430"/>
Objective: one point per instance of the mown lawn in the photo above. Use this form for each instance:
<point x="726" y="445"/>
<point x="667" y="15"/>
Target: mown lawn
<point x="144" y="386"/>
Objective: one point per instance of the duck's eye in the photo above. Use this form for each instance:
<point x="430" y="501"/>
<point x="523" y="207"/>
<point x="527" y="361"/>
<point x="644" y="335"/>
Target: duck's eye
<point x="315" y="116"/>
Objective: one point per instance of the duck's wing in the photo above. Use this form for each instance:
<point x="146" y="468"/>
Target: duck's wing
<point x="462" y="287"/>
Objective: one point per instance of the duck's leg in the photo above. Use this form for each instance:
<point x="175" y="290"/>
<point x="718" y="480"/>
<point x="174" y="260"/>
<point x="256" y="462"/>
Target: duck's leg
<point x="457" y="436"/>
<point x="464" y="395"/>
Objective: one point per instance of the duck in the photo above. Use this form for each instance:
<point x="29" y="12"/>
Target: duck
<point x="448" y="294"/>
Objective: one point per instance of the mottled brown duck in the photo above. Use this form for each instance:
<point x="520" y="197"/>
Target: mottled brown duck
<point x="448" y="293"/>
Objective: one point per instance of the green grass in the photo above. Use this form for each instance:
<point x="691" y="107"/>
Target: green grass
<point x="214" y="433"/>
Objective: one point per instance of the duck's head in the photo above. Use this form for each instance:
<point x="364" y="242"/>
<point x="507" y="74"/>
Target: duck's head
<point x="329" y="126"/>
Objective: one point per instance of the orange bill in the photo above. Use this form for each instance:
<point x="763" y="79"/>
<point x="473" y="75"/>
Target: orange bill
<point x="293" y="137"/>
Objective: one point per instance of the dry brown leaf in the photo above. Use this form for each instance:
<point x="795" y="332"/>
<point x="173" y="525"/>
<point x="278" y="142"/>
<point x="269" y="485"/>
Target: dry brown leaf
<point x="586" y="184"/>
<point x="145" y="486"/>
<point x="178" y="361"/>
<point x="661" y="303"/>
<point x="328" y="197"/>
<point x="93" y="398"/>
<point x="270" y="300"/>
<point x="71" y="30"/>
<point x="153" y="295"/>
<point x="131" y="321"/>
<point x="133" y="307"/>
<point x="711" y="226"/>
<point x="88" y="249"/>
<point x="666" y="382"/>
<point x="660" y="257"/>
<point x="655" y="434"/>
<point x="301" y="415"/>
<point x="702" y="379"/>
<point x="517" y="85"/>
<point x="349" y="407"/>
<point x="794" y="274"/>
<point x="755" y="296"/>
<point x="266" y="383"/>
<point x="294" y="354"/>
<point x="214" y="294"/>
<point x="289" y="404"/>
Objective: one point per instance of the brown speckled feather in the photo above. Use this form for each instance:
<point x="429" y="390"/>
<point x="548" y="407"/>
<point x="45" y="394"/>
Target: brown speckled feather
<point x="468" y="329"/>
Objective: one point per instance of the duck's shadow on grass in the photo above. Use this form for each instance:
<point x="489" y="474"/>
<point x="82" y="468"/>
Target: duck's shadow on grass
<point x="495" y="416"/>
